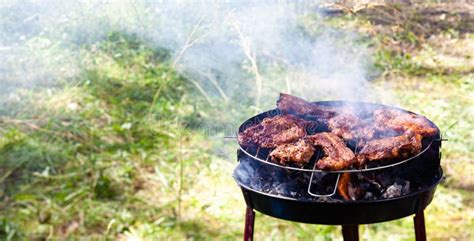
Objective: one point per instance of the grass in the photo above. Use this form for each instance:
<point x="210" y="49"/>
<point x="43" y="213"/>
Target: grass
<point x="122" y="150"/>
<point x="92" y="145"/>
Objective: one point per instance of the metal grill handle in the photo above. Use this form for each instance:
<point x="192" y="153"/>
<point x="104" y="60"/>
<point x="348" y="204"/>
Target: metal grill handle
<point x="324" y="195"/>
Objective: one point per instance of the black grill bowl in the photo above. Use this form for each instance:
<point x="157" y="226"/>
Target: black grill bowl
<point x="337" y="213"/>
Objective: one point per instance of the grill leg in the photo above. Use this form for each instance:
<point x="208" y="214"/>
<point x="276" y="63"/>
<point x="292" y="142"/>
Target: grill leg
<point x="350" y="232"/>
<point x="249" y="224"/>
<point x="420" y="231"/>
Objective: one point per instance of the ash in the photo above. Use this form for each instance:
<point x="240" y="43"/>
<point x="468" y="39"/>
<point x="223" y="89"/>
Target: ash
<point x="294" y="184"/>
<point x="397" y="190"/>
<point x="276" y="181"/>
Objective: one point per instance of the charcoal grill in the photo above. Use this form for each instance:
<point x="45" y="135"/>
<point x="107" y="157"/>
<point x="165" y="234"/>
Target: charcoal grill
<point x="329" y="208"/>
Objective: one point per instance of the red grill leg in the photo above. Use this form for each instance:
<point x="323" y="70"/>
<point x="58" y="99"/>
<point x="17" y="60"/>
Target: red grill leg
<point x="350" y="232"/>
<point x="249" y="224"/>
<point x="420" y="231"/>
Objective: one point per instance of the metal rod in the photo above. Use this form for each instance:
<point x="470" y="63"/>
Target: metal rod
<point x="311" y="182"/>
<point x="325" y="195"/>
<point x="255" y="157"/>
<point x="350" y="232"/>
<point x="249" y="224"/>
<point x="419" y="221"/>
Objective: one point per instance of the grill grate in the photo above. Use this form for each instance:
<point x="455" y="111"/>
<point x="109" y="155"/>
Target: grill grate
<point x="262" y="155"/>
<point x="321" y="180"/>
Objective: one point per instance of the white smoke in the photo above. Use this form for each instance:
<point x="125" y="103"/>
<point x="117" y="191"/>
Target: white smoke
<point x="229" y="51"/>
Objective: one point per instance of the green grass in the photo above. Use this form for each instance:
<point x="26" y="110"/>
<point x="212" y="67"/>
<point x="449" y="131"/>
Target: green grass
<point x="121" y="150"/>
<point x="76" y="163"/>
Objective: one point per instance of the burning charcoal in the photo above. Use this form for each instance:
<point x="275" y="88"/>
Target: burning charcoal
<point x="357" y="192"/>
<point x="385" y="179"/>
<point x="370" y="179"/>
<point x="392" y="191"/>
<point x="406" y="188"/>
<point x="281" y="189"/>
<point x="369" y="196"/>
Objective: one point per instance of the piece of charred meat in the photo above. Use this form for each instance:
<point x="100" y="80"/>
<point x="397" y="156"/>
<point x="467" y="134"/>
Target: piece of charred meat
<point x="289" y="104"/>
<point x="403" y="146"/>
<point x="337" y="156"/>
<point x="274" y="131"/>
<point x="298" y="153"/>
<point x="403" y="121"/>
<point x="350" y="127"/>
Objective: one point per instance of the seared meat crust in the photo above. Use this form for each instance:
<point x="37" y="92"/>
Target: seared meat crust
<point x="403" y="146"/>
<point x="403" y="121"/>
<point x="289" y="104"/>
<point x="274" y="131"/>
<point x="350" y="127"/>
<point x="298" y="153"/>
<point x="337" y="156"/>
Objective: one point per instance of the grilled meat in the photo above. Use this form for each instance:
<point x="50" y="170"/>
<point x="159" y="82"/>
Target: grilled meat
<point x="350" y="127"/>
<point x="289" y="104"/>
<point x="298" y="153"/>
<point x="342" y="121"/>
<point x="383" y="134"/>
<point x="337" y="155"/>
<point x="274" y="131"/>
<point x="403" y="146"/>
<point x="403" y="121"/>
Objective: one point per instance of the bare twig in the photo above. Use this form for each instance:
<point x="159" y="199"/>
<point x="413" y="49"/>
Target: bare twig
<point x="137" y="15"/>
<point x="251" y="56"/>
<point x="64" y="176"/>
<point x="29" y="124"/>
<point x="216" y="84"/>
<point x="9" y="172"/>
<point x="190" y="41"/>
<point x="198" y="86"/>
<point x="288" y="86"/>
<point x="155" y="98"/>
<point x="181" y="176"/>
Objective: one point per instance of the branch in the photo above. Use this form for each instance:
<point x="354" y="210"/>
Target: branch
<point x="216" y="85"/>
<point x="190" y="41"/>
<point x="250" y="54"/>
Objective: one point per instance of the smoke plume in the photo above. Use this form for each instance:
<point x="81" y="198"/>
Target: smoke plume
<point x="229" y="51"/>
